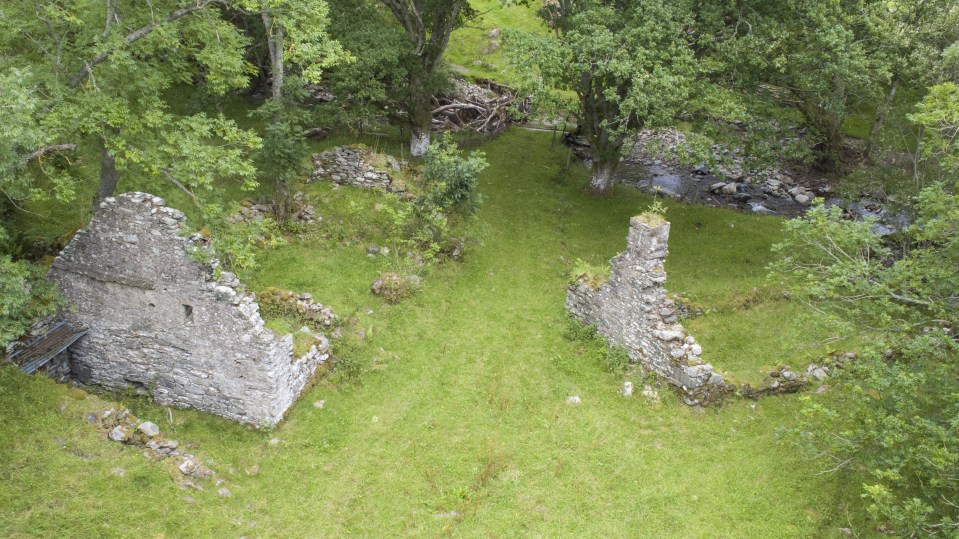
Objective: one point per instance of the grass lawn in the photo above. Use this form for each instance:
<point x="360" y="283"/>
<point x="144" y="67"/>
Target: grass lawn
<point x="468" y="48"/>
<point x="460" y="426"/>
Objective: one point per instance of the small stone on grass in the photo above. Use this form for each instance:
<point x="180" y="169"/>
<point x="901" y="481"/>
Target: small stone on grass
<point x="149" y="428"/>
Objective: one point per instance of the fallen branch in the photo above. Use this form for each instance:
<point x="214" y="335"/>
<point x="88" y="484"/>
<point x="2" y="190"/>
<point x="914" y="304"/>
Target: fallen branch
<point x="484" y="107"/>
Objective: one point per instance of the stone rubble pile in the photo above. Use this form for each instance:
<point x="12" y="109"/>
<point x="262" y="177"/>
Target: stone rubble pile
<point x="348" y="165"/>
<point x="300" y="211"/>
<point x="122" y="426"/>
<point x="301" y="304"/>
<point x="394" y="287"/>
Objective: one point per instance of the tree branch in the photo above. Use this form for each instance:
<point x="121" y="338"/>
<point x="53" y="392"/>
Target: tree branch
<point x="176" y="182"/>
<point x="137" y="35"/>
<point x="48" y="149"/>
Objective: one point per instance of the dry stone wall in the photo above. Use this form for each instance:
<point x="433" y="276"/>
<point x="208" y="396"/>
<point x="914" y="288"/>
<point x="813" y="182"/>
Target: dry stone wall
<point x="159" y="323"/>
<point x="348" y="165"/>
<point x="632" y="311"/>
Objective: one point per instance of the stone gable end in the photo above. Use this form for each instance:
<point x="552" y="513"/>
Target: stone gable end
<point x="632" y="310"/>
<point x="159" y="323"/>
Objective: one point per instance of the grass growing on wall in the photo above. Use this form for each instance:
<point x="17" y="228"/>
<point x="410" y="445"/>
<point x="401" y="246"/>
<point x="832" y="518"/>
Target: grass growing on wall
<point x="459" y="426"/>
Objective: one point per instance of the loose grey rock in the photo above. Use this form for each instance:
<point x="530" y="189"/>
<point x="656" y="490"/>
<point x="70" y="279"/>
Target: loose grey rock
<point x="225" y="492"/>
<point x="118" y="434"/>
<point x="627" y="389"/>
<point x="817" y="372"/>
<point x="573" y="400"/>
<point x="149" y="428"/>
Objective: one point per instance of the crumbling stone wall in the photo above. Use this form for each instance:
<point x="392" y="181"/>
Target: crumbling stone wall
<point x="632" y="311"/>
<point x="347" y="165"/>
<point x="160" y="323"/>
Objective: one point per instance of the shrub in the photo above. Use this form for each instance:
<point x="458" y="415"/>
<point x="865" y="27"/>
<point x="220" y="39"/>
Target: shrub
<point x="394" y="287"/>
<point x="444" y="198"/>
<point x="894" y="414"/>
<point x="450" y="179"/>
<point x="25" y="297"/>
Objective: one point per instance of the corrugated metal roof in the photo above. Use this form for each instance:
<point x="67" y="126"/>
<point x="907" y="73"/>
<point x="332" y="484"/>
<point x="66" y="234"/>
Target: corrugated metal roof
<point x="41" y="350"/>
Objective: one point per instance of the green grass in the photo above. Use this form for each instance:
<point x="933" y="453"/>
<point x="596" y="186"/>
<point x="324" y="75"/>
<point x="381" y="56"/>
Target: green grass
<point x="467" y="45"/>
<point x="460" y="427"/>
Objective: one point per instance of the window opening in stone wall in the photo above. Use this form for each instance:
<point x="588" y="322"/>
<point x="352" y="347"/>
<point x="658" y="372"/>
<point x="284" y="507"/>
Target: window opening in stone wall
<point x="188" y="313"/>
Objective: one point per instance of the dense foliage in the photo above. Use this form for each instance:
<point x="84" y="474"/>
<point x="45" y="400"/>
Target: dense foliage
<point x="893" y="413"/>
<point x="630" y="66"/>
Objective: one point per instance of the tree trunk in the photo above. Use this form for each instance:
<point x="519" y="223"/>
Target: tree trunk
<point x="419" y="142"/>
<point x="274" y="42"/>
<point x="109" y="177"/>
<point x="281" y="203"/>
<point x="881" y="117"/>
<point x="603" y="170"/>
<point x="420" y="115"/>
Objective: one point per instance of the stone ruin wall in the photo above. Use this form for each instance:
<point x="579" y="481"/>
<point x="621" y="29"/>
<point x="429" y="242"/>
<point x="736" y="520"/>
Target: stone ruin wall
<point x="348" y="165"/>
<point x="160" y="323"/>
<point x="632" y="310"/>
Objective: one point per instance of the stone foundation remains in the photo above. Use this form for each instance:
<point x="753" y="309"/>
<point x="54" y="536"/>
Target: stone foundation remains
<point x="631" y="310"/>
<point x="349" y="166"/>
<point x="300" y="211"/>
<point x="159" y="323"/>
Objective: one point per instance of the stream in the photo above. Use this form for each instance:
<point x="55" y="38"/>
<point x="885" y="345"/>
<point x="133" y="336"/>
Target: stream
<point x="777" y="194"/>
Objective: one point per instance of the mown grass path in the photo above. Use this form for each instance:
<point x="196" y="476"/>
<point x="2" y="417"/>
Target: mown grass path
<point x="461" y="428"/>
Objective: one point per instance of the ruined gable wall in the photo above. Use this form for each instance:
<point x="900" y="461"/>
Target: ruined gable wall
<point x="159" y="322"/>
<point x="632" y="311"/>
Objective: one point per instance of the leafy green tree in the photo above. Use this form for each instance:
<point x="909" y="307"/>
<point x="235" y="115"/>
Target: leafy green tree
<point x="369" y="88"/>
<point x="823" y="60"/>
<point x="103" y="69"/>
<point x="630" y="65"/>
<point x="428" y="25"/>
<point x="913" y="37"/>
<point x="938" y="115"/>
<point x="893" y="413"/>
<point x="27" y="147"/>
<point x="296" y="34"/>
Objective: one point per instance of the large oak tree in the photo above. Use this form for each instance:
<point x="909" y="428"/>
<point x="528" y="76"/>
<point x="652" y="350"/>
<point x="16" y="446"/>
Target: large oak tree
<point x="631" y="65"/>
